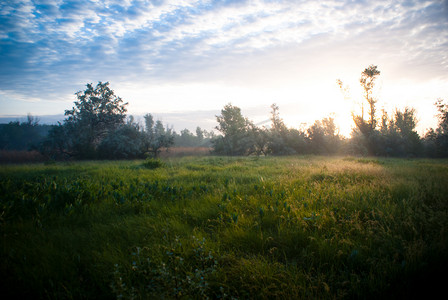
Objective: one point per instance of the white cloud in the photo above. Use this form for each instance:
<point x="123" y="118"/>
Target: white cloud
<point x="208" y="54"/>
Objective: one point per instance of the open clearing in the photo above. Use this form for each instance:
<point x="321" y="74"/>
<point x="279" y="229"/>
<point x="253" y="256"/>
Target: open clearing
<point x="225" y="227"/>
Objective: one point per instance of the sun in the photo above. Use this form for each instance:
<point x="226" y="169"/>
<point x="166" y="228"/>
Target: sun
<point x="321" y="102"/>
<point x="340" y="107"/>
<point x="343" y="116"/>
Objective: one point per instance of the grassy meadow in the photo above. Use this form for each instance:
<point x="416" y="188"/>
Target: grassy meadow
<point x="298" y="227"/>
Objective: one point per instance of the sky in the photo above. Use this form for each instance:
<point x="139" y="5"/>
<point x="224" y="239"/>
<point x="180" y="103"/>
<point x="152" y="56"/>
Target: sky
<point x="183" y="61"/>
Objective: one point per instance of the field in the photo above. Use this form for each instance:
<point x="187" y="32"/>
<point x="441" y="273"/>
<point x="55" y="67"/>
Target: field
<point x="231" y="228"/>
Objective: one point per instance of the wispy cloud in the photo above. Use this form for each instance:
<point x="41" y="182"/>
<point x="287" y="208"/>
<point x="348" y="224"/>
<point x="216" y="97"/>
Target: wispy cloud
<point x="50" y="48"/>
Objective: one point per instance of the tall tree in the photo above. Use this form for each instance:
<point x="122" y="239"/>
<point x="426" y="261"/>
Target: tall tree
<point x="277" y="123"/>
<point x="364" y="134"/>
<point x="235" y="139"/>
<point x="367" y="81"/>
<point x="405" y="122"/>
<point x="442" y="107"/>
<point x="278" y="136"/>
<point x="437" y="140"/>
<point x="97" y="112"/>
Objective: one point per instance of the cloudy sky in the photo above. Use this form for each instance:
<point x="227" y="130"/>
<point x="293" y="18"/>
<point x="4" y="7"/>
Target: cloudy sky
<point x="184" y="60"/>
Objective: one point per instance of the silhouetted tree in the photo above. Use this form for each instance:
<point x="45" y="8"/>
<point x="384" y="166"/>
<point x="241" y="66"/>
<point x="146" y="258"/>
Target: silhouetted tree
<point x="367" y="81"/>
<point x="405" y="123"/>
<point x="323" y="137"/>
<point x="430" y="143"/>
<point x="436" y="141"/>
<point x="97" y="113"/>
<point x="365" y="135"/>
<point x="442" y="116"/>
<point x="397" y="135"/>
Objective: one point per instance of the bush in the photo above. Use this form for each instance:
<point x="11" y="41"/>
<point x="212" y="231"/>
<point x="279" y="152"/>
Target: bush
<point x="153" y="163"/>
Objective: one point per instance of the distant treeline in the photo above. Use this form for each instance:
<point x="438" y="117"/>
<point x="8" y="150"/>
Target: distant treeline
<point x="30" y="136"/>
<point x="394" y="137"/>
<point x="373" y="135"/>
<point x="23" y="136"/>
<point x="97" y="127"/>
<point x="386" y="135"/>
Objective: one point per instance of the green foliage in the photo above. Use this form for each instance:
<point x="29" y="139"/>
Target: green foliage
<point x="182" y="271"/>
<point x="242" y="137"/>
<point x="153" y="163"/>
<point x="126" y="142"/>
<point x="323" y="137"/>
<point x="97" y="113"/>
<point x="396" y="136"/>
<point x="95" y="128"/>
<point x="225" y="227"/>
<point x="235" y="139"/>
<point x="259" y="141"/>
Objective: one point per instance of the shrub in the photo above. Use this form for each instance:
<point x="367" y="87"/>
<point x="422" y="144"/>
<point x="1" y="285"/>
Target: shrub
<point x="153" y="163"/>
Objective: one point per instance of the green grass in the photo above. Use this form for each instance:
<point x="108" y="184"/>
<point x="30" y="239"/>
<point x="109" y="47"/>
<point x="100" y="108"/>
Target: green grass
<point x="225" y="227"/>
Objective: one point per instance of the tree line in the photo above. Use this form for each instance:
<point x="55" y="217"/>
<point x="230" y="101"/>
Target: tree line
<point x="23" y="136"/>
<point x="374" y="135"/>
<point x="97" y="127"/>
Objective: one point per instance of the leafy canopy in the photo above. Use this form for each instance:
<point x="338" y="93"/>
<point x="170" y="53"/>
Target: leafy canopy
<point x="98" y="107"/>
